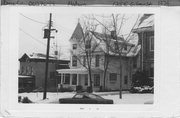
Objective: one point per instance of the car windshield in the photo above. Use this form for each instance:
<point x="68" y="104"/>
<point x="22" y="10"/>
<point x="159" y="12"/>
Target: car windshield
<point x="93" y="96"/>
<point x="78" y="96"/>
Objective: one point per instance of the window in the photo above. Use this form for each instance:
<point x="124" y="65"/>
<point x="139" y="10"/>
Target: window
<point x="88" y="44"/>
<point x="125" y="79"/>
<point x="134" y="63"/>
<point x="32" y="70"/>
<point x="74" y="46"/>
<point x="97" y="61"/>
<point x="59" y="78"/>
<point x="151" y="39"/>
<point x="86" y="80"/>
<point x="151" y="70"/>
<point x="52" y="75"/>
<point x="93" y="96"/>
<point x="74" y="61"/>
<point x="113" y="77"/>
<point x="67" y="79"/>
<point x="96" y="80"/>
<point x="125" y="48"/>
<point x="84" y="60"/>
<point x="22" y="69"/>
<point x="74" y="79"/>
<point x="116" y="46"/>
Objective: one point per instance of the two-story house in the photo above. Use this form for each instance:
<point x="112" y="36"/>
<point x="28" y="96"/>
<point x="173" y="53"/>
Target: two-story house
<point x="145" y="31"/>
<point x="32" y="71"/>
<point x="78" y="73"/>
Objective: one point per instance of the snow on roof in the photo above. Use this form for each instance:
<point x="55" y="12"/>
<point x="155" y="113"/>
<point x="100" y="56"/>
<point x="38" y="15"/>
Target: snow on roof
<point x="24" y="76"/>
<point x="146" y="23"/>
<point x="131" y="41"/>
<point x="106" y="36"/>
<point x="81" y="70"/>
<point x="134" y="51"/>
<point x="39" y="56"/>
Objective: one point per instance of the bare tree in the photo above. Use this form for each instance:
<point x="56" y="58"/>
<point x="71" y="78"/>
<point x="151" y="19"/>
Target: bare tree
<point x="87" y="47"/>
<point x="115" y="27"/>
<point x="104" y="37"/>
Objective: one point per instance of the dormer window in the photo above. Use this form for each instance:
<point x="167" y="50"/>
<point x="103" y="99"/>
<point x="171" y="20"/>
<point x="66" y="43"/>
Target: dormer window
<point x="74" y="46"/>
<point x="125" y="48"/>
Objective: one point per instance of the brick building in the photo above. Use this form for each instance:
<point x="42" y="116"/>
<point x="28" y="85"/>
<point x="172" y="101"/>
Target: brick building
<point x="145" y="31"/>
<point x="32" y="71"/>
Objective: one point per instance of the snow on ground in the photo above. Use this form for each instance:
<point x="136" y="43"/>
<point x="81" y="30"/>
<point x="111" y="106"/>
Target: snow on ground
<point x="127" y="98"/>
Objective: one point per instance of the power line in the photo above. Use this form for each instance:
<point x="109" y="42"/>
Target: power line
<point x="37" y="39"/>
<point x="32" y="36"/>
<point x="32" y="19"/>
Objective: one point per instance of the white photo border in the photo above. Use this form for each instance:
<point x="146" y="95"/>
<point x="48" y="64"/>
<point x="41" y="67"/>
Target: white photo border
<point x="9" y="69"/>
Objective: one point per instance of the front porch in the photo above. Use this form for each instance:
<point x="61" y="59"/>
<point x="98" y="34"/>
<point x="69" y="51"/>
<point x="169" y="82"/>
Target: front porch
<point x="80" y="77"/>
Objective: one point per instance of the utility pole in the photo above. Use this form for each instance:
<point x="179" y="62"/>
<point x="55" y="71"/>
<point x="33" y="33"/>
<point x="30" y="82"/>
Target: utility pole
<point x="47" y="56"/>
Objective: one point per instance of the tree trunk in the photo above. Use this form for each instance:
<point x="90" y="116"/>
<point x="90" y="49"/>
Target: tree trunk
<point x="120" y="74"/>
<point x="90" y="79"/>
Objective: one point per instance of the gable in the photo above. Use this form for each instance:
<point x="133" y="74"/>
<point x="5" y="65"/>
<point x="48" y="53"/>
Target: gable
<point x="77" y="34"/>
<point x="24" y="58"/>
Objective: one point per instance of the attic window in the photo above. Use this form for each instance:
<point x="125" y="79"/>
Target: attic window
<point x="125" y="48"/>
<point x="74" y="46"/>
<point x="88" y="44"/>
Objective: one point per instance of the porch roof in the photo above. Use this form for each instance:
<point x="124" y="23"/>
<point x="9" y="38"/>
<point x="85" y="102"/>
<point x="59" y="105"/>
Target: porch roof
<point x="79" y="70"/>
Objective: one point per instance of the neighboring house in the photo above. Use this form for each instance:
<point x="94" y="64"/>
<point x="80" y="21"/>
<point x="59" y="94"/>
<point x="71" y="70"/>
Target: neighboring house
<point x="78" y="74"/>
<point x="145" y="31"/>
<point x="32" y="71"/>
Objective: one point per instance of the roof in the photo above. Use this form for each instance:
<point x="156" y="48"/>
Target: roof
<point x="77" y="34"/>
<point x="101" y="38"/>
<point x="146" y="23"/>
<point x="81" y="70"/>
<point x="106" y="36"/>
<point x="25" y="76"/>
<point x="132" y="41"/>
<point x="40" y="57"/>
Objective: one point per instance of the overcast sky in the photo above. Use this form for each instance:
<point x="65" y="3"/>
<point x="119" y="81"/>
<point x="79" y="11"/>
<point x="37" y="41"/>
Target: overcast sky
<point x="31" y="31"/>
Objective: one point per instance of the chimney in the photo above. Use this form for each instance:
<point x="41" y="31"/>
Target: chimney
<point x="113" y="34"/>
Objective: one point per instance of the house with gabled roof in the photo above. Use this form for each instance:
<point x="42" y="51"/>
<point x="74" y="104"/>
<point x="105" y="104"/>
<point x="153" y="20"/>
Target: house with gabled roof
<point x="32" y="71"/>
<point x="78" y="74"/>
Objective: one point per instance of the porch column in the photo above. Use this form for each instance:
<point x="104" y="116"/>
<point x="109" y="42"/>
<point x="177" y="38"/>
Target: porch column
<point x="77" y="79"/>
<point x="70" y="79"/>
<point x="62" y="76"/>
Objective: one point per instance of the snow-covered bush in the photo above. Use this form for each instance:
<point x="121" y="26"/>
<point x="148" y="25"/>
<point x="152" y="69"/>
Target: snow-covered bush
<point x="26" y="100"/>
<point x="142" y="89"/>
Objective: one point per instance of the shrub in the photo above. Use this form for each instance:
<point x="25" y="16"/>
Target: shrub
<point x="66" y="89"/>
<point x="142" y="89"/>
<point x="78" y="88"/>
<point x="26" y="100"/>
<point x="140" y="78"/>
<point x="89" y="90"/>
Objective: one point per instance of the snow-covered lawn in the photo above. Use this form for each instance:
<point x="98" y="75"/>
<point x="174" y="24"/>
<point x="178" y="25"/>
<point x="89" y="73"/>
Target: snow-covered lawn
<point x="127" y="98"/>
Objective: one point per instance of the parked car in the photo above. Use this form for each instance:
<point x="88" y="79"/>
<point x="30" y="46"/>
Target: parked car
<point x="85" y="98"/>
<point x="142" y="89"/>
